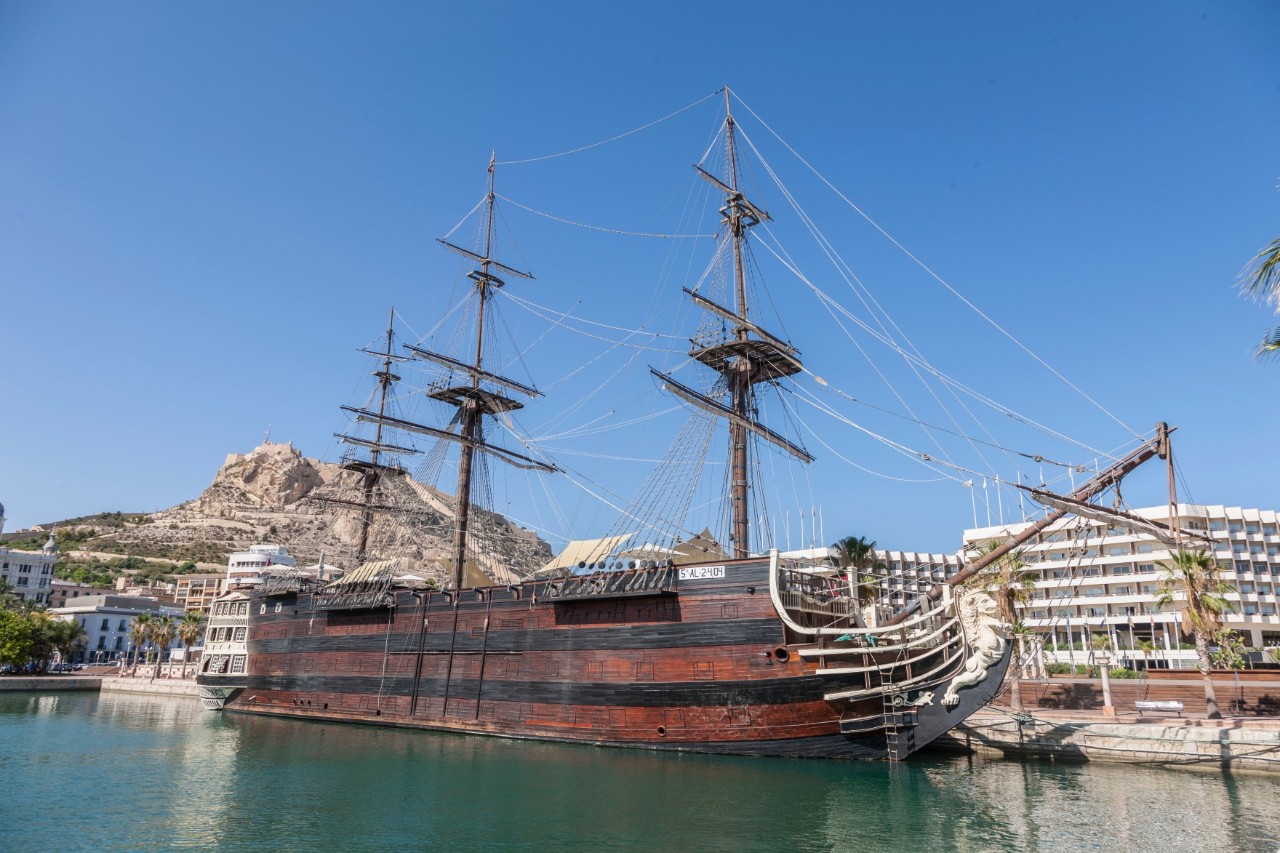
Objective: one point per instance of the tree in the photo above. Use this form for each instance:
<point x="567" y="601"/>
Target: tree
<point x="140" y="633"/>
<point x="163" y="630"/>
<point x="1192" y="577"/>
<point x="1007" y="580"/>
<point x="1010" y="583"/>
<point x="189" y="631"/>
<point x="17" y="638"/>
<point x="856" y="556"/>
<point x="1261" y="280"/>
<point x="8" y="598"/>
<point x="64" y="635"/>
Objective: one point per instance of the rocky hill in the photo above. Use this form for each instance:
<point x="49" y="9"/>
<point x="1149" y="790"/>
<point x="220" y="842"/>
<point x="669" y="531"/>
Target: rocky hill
<point x="275" y="494"/>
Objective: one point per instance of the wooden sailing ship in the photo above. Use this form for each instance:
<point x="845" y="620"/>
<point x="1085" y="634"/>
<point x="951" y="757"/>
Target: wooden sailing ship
<point x="738" y="652"/>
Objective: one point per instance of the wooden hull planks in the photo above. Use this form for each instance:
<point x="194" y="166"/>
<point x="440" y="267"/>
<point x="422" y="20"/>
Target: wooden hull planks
<point x="707" y="667"/>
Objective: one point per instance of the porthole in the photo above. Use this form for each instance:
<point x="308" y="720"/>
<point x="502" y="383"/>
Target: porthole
<point x="781" y="654"/>
<point x="262" y="608"/>
<point x="662" y="731"/>
<point x="279" y="607"/>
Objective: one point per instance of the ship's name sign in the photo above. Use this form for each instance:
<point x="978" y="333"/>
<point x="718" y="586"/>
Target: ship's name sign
<point x="699" y="572"/>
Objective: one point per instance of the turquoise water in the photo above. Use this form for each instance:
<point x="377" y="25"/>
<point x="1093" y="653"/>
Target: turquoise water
<point x="80" y="771"/>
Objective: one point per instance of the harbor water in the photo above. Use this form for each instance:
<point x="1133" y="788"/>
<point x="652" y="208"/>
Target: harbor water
<point x="122" y="772"/>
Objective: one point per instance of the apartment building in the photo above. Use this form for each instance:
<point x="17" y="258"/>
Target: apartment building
<point x="1093" y="578"/>
<point x="195" y="593"/>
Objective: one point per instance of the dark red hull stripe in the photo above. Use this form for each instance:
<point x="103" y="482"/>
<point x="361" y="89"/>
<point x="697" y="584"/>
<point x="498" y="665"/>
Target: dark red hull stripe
<point x="761" y="632"/>
<point x="781" y="691"/>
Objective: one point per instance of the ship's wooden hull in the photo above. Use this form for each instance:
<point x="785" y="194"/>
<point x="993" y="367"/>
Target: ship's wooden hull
<point x="708" y="667"/>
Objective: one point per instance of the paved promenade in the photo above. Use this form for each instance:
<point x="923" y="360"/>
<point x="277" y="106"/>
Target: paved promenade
<point x="111" y="684"/>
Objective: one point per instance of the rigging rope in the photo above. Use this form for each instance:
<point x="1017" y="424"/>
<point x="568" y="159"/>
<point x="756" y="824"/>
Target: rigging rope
<point x="601" y="228"/>
<point x="935" y="275"/>
<point x="612" y="138"/>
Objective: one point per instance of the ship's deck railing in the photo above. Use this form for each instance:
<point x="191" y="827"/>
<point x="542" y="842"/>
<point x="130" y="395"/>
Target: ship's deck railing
<point x="837" y="606"/>
<point x="610" y="584"/>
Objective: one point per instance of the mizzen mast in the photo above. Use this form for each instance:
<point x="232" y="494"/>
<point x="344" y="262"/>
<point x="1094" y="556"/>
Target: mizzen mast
<point x="746" y="357"/>
<point x="373" y="469"/>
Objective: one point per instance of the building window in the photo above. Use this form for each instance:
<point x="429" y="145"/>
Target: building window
<point x="1146" y="568"/>
<point x="1260" y="568"/>
<point x="24" y="569"/>
<point x="22" y="581"/>
<point x="240" y="634"/>
<point x="237" y="664"/>
<point x="1235" y="527"/>
<point x="106" y="624"/>
<point x="1120" y="590"/>
<point x="46" y="569"/>
<point x="1246" y="588"/>
<point x="1252" y="527"/>
<point x="1121" y="570"/>
<point x="1217" y="525"/>
<point x="1242" y="565"/>
<point x="1145" y="547"/>
<point x="1118" y="550"/>
<point x="1251" y="610"/>
<point x="102" y="642"/>
<point x="1269" y="530"/>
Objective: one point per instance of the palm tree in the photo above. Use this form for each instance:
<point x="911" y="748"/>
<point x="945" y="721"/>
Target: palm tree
<point x="1010" y="583"/>
<point x="140" y="633"/>
<point x="857" y="557"/>
<point x="65" y="635"/>
<point x="189" y="631"/>
<point x="1192" y="576"/>
<point x="1261" y="280"/>
<point x="163" y="630"/>
<point x="1007" y="580"/>
<point x="8" y="598"/>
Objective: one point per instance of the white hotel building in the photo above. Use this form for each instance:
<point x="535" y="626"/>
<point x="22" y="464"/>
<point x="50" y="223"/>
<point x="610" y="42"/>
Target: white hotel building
<point x="1093" y="578"/>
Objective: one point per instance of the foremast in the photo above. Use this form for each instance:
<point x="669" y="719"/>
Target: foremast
<point x="746" y="357"/>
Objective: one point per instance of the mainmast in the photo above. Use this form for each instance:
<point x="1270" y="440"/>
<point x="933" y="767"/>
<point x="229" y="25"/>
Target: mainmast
<point x="471" y="398"/>
<point x="747" y="357"/>
<point x="470" y="409"/>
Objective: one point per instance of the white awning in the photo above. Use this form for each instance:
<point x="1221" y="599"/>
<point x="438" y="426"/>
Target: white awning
<point x="584" y="551"/>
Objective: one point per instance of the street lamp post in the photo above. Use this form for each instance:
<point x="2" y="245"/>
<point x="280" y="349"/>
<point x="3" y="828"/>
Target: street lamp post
<point x="1104" y="664"/>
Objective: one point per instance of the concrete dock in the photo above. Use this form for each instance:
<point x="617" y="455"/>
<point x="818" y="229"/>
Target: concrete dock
<point x="1238" y="743"/>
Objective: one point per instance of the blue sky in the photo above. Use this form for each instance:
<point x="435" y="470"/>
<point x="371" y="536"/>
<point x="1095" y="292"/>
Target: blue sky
<point x="206" y="209"/>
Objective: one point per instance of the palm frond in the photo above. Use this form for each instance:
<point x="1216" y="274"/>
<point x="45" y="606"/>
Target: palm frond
<point x="1270" y="345"/>
<point x="1261" y="278"/>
